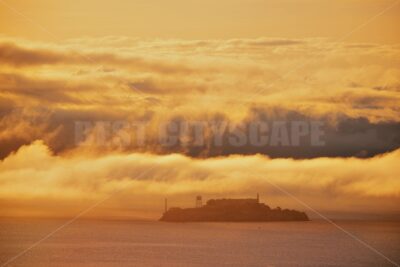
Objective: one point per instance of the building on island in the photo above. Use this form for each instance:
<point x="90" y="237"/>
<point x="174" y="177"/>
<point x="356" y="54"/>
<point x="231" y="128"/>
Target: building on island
<point x="231" y="210"/>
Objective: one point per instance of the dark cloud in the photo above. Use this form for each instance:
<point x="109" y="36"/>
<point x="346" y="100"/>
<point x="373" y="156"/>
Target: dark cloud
<point x="16" y="55"/>
<point x="43" y="90"/>
<point x="348" y="137"/>
<point x="146" y="86"/>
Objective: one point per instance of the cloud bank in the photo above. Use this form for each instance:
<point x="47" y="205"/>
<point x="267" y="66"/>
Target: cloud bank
<point x="136" y="183"/>
<point x="352" y="88"/>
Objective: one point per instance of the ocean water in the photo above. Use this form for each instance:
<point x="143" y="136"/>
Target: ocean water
<point x="126" y="243"/>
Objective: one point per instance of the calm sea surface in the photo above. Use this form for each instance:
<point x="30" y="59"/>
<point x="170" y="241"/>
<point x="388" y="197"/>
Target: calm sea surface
<point x="123" y="243"/>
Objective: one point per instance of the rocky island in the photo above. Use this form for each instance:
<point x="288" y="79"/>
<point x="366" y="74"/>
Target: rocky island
<point x="231" y="210"/>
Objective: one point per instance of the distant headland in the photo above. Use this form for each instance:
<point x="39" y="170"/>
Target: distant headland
<point x="231" y="210"/>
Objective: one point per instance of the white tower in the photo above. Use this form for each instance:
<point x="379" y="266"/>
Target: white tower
<point x="199" y="202"/>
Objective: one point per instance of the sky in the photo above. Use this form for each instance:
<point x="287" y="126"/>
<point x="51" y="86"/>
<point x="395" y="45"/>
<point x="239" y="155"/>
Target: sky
<point x="128" y="64"/>
<point x="192" y="19"/>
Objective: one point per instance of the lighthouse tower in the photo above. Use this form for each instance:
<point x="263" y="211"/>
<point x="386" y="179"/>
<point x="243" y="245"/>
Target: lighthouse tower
<point x="199" y="202"/>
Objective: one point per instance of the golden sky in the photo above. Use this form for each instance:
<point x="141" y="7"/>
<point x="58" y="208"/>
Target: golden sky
<point x="192" y="19"/>
<point x="63" y="62"/>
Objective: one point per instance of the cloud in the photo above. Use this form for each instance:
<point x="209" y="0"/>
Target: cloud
<point x="205" y="135"/>
<point x="142" y="180"/>
<point x="13" y="54"/>
<point x="45" y="88"/>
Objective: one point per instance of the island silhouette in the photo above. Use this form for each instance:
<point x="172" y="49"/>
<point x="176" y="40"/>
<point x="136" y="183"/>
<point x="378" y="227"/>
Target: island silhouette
<point x="231" y="210"/>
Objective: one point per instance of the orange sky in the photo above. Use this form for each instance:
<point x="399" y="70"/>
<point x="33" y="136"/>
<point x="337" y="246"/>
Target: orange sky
<point x="192" y="19"/>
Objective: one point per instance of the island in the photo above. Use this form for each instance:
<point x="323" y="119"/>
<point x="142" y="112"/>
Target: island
<point x="231" y="210"/>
